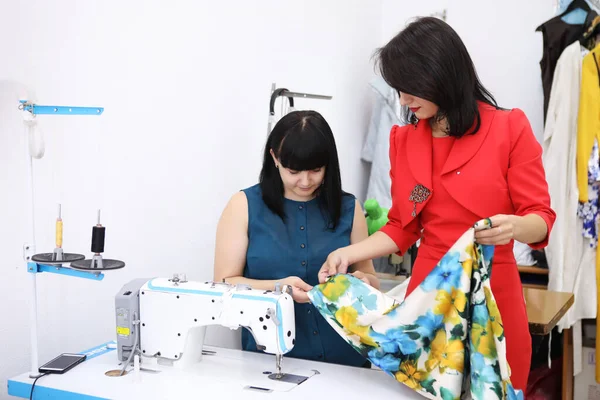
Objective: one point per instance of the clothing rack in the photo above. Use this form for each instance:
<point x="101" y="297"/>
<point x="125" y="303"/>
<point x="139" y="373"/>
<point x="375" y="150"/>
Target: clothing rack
<point x="283" y="92"/>
<point x="572" y="251"/>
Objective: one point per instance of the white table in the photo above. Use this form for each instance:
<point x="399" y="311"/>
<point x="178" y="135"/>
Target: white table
<point x="227" y="374"/>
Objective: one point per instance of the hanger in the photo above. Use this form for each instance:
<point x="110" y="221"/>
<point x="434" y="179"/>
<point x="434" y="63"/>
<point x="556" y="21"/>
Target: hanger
<point x="575" y="4"/>
<point x="576" y="12"/>
<point x="277" y="93"/>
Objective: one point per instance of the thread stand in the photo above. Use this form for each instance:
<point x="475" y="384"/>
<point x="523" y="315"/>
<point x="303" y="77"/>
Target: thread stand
<point x="34" y="149"/>
<point x="97" y="263"/>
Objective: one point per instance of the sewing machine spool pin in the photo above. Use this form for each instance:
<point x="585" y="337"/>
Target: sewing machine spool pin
<point x="179" y="278"/>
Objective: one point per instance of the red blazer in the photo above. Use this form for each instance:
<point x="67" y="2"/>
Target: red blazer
<point x="498" y="170"/>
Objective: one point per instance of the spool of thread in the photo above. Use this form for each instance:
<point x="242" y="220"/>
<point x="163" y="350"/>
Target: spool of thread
<point x="98" y="239"/>
<point x="59" y="233"/>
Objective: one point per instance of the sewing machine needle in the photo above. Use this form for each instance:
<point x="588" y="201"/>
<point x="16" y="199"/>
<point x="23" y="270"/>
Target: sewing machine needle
<point x="278" y="358"/>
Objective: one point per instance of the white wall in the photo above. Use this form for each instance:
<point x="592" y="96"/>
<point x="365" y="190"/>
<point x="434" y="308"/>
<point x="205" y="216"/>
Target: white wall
<point x="185" y="86"/>
<point x="501" y="38"/>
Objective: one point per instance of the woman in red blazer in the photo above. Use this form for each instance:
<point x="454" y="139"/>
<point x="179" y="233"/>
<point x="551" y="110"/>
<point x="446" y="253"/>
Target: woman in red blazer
<point x="460" y="160"/>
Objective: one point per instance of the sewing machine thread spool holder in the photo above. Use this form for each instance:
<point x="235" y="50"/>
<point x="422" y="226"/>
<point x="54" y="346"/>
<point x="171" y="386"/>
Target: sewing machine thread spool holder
<point x="57" y="258"/>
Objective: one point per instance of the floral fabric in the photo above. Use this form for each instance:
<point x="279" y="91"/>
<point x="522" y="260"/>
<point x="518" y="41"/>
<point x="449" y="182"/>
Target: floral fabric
<point x="588" y="210"/>
<point x="445" y="340"/>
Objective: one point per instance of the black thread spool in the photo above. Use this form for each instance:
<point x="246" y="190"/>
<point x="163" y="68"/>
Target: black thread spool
<point x="98" y="234"/>
<point x="97" y="263"/>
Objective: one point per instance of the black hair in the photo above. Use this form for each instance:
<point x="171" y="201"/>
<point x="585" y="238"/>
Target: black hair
<point x="429" y="60"/>
<point x="302" y="141"/>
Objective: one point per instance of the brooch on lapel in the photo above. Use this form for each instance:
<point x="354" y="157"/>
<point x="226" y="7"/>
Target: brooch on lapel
<point x="418" y="195"/>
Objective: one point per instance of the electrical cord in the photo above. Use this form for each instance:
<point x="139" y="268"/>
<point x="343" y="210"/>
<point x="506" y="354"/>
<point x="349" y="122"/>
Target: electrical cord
<point x="135" y="343"/>
<point x="33" y="386"/>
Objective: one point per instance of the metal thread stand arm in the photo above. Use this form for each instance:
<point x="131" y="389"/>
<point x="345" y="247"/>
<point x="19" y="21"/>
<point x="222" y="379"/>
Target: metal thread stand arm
<point x="35" y="268"/>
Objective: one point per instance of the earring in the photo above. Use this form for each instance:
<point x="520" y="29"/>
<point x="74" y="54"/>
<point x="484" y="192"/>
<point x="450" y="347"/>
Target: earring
<point x="414" y="120"/>
<point x="276" y="165"/>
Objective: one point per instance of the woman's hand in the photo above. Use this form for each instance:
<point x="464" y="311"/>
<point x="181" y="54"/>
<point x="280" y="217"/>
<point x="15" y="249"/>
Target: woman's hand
<point x="299" y="289"/>
<point x="336" y="263"/>
<point x="362" y="276"/>
<point x="502" y="231"/>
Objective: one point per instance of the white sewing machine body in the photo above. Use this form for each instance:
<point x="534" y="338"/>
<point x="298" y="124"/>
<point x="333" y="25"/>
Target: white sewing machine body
<point x="174" y="313"/>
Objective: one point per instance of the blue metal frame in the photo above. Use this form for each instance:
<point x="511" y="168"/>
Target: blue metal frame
<point x="60" y="110"/>
<point x="35" y="268"/>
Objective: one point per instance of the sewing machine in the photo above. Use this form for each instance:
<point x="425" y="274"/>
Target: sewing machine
<point x="166" y="319"/>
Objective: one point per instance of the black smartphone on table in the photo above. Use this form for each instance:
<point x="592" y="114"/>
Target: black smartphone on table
<point x="62" y="363"/>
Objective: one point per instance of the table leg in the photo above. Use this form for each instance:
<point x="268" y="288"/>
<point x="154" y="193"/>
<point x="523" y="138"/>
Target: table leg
<point x="567" y="365"/>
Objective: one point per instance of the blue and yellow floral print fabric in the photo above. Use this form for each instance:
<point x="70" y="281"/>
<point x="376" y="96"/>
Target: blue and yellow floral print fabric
<point x="445" y="340"/>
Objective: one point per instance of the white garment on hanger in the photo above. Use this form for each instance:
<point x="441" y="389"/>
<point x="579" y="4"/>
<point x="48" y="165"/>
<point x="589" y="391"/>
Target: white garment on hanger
<point x="523" y="254"/>
<point x="376" y="149"/>
<point x="571" y="261"/>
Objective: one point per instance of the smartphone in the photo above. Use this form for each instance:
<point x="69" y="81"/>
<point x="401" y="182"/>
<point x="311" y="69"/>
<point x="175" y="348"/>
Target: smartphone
<point x="62" y="363"/>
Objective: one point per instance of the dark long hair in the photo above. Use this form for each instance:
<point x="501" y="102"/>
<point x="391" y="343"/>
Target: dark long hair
<point x="429" y="60"/>
<point x="302" y="141"/>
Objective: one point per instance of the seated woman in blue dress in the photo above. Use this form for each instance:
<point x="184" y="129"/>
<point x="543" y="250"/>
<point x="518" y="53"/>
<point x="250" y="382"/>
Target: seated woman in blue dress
<point x="283" y="228"/>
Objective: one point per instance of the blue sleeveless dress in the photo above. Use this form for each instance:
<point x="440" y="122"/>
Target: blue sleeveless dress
<point x="299" y="247"/>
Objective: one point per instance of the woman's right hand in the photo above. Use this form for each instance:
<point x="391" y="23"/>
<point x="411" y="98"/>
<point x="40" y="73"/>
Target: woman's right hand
<point x="337" y="263"/>
<point x="300" y="289"/>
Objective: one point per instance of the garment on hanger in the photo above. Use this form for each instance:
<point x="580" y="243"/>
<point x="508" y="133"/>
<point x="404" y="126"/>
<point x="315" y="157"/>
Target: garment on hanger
<point x="588" y="123"/>
<point x="444" y="339"/>
<point x="570" y="259"/>
<point x="523" y="255"/>
<point x="588" y="131"/>
<point x="376" y="148"/>
<point x="592" y="31"/>
<point x="557" y="35"/>
<point x="588" y="211"/>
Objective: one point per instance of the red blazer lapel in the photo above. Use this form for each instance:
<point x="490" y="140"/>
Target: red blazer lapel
<point x="464" y="150"/>
<point x="419" y="157"/>
<point x="413" y="187"/>
<point x="467" y="146"/>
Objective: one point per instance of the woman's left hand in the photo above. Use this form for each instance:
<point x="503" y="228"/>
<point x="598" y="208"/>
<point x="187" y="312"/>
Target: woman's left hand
<point x="501" y="232"/>
<point x="361" y="275"/>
